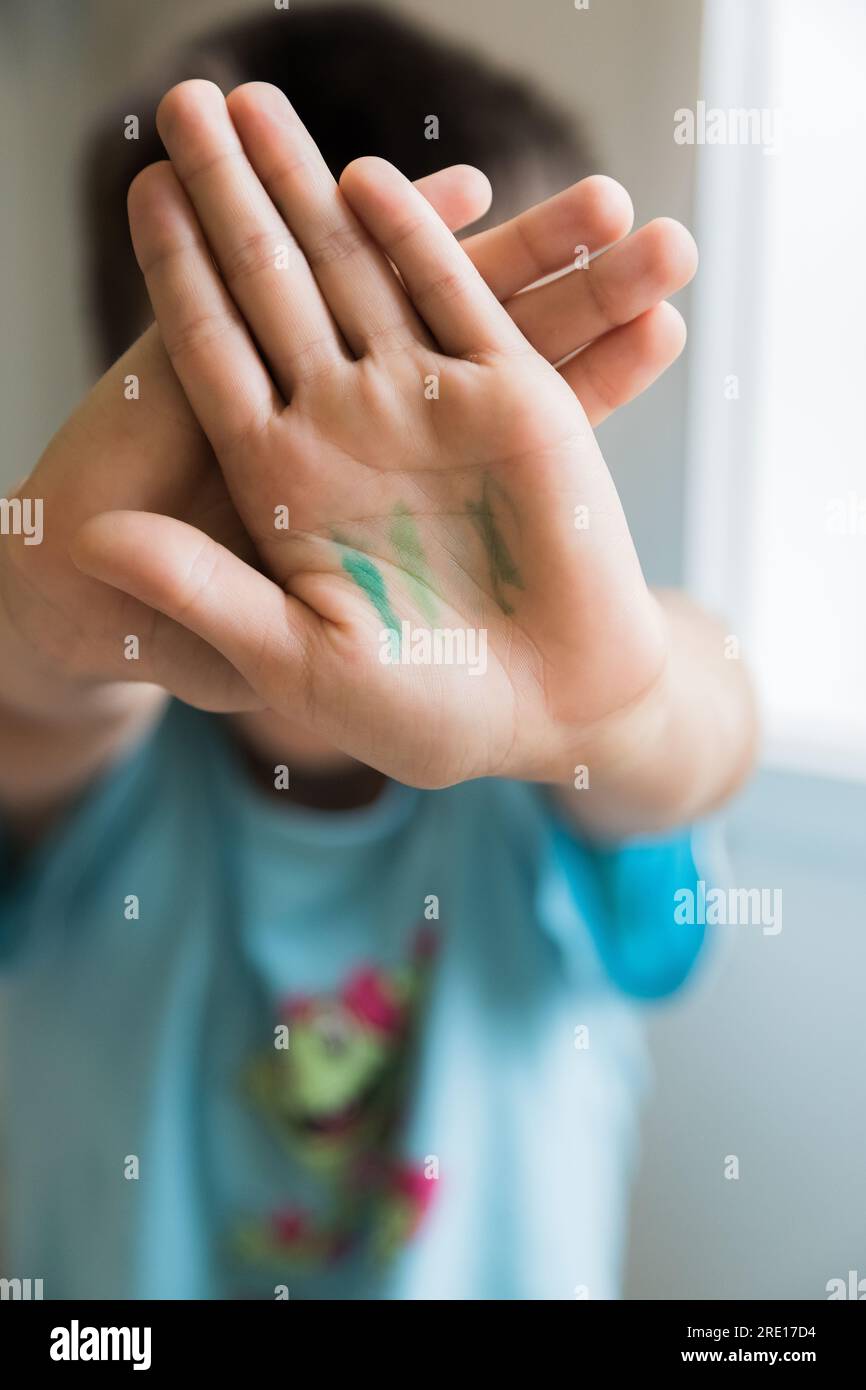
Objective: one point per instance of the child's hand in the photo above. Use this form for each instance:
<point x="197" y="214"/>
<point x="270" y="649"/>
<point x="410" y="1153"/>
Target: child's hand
<point x="70" y="633"/>
<point x="84" y="667"/>
<point x="431" y="469"/>
<point x="134" y="442"/>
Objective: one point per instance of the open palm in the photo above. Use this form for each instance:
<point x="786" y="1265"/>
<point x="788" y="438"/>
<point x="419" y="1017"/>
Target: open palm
<point x="403" y="459"/>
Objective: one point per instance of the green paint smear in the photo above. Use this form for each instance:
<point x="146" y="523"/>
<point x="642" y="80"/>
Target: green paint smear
<point x="413" y="561"/>
<point x="369" y="579"/>
<point x="503" y="570"/>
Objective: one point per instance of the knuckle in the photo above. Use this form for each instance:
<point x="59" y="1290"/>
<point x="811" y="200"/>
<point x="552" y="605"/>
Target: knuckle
<point x="339" y="243"/>
<point x="311" y="359"/>
<point x="200" y="574"/>
<point x="284" y="172"/>
<point x="197" y="333"/>
<point x="441" y="288"/>
<point x="162" y="250"/>
<point x="594" y="281"/>
<point x="253" y="255"/>
<point x="404" y="232"/>
<point x="610" y="398"/>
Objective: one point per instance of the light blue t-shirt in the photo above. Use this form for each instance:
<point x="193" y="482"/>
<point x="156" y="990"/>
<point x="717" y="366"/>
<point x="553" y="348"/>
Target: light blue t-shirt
<point x="259" y="1051"/>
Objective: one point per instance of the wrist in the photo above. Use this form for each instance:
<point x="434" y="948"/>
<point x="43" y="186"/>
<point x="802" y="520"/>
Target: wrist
<point x="638" y="715"/>
<point x="676" y="752"/>
<point x="614" y="748"/>
<point x="56" y="732"/>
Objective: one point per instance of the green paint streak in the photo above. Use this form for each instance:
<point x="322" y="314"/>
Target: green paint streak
<point x="410" y="553"/>
<point x="503" y="570"/>
<point x="369" y="579"/>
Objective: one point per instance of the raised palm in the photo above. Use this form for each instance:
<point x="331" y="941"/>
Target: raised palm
<point x="405" y="458"/>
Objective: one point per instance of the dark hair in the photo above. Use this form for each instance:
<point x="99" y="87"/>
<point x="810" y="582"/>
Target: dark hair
<point x="364" y="83"/>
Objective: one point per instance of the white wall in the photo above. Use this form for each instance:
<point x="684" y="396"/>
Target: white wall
<point x="763" y="1059"/>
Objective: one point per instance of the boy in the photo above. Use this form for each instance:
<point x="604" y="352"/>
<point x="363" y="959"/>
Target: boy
<point x="361" y="1030"/>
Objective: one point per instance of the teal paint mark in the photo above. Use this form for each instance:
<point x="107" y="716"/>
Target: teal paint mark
<point x="369" y="580"/>
<point x="503" y="570"/>
<point x="413" y="561"/>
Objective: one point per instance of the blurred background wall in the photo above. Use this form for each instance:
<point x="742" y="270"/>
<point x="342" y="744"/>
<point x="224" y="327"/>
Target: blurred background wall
<point x="764" y="1057"/>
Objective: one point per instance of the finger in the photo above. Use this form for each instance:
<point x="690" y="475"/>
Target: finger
<point x="460" y="194"/>
<point x="364" y="296"/>
<point x="259" y="260"/>
<point x="198" y="583"/>
<point x="645" y="268"/>
<point x="442" y="282"/>
<point x="186" y="666"/>
<point x="587" y="217"/>
<point x="210" y="348"/>
<point x="618" y="366"/>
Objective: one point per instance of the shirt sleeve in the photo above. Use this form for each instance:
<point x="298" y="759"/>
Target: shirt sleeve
<point x="624" y="898"/>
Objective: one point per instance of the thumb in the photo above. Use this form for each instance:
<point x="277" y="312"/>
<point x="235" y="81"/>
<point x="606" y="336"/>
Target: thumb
<point x="198" y="583"/>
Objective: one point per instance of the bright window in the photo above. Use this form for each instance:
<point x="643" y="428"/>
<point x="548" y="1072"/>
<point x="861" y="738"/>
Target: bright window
<point x="777" y="531"/>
